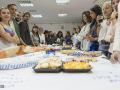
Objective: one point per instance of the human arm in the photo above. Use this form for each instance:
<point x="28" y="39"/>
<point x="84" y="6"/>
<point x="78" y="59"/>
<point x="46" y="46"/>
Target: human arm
<point x="23" y="43"/>
<point x="113" y="17"/>
<point x="8" y="37"/>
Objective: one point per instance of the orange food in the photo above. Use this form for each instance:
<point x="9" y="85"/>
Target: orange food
<point x="35" y="49"/>
<point x="2" y="54"/>
<point x="20" y="49"/>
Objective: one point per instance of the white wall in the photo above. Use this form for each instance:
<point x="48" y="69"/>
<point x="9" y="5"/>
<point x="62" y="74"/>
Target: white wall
<point x="57" y="27"/>
<point x="69" y="26"/>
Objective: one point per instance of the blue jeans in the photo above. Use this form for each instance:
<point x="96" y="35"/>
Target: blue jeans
<point x="109" y="55"/>
<point x="104" y="48"/>
<point x="79" y="45"/>
<point x="94" y="46"/>
<point x="36" y="44"/>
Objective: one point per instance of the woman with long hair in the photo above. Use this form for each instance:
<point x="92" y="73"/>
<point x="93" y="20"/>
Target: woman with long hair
<point x="85" y="44"/>
<point x="75" y="39"/>
<point x="41" y="35"/>
<point x="103" y="27"/>
<point x="8" y="36"/>
<point x="59" y="38"/>
<point x="93" y="37"/>
<point x="73" y="34"/>
<point x="73" y="31"/>
<point x="50" y="38"/>
<point x="68" y="40"/>
<point x="116" y="47"/>
<point x="35" y="40"/>
<point x="112" y="29"/>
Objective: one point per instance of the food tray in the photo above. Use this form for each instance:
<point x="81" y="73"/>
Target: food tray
<point x="46" y="70"/>
<point x="80" y="54"/>
<point x="75" y="70"/>
<point x="66" y="49"/>
<point x="94" y="53"/>
<point x="68" y="52"/>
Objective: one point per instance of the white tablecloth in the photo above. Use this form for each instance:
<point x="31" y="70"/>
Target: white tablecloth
<point x="103" y="76"/>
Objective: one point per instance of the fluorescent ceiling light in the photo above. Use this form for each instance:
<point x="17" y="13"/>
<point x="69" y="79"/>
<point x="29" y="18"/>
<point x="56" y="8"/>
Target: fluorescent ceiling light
<point x="37" y="16"/>
<point x="62" y="2"/>
<point x="62" y="15"/>
<point x="99" y="1"/>
<point x="26" y="3"/>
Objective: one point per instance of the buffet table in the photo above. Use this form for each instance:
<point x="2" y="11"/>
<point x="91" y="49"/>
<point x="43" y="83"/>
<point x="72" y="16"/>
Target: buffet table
<point x="103" y="76"/>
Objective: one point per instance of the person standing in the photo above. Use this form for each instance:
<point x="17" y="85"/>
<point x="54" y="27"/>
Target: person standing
<point x="41" y="35"/>
<point x="8" y="36"/>
<point x="13" y="23"/>
<point x="24" y="28"/>
<point x="46" y="33"/>
<point x="59" y="38"/>
<point x="35" y="39"/>
<point x="76" y="43"/>
<point x="93" y="37"/>
<point x="67" y="38"/>
<point x="103" y="28"/>
<point x="50" y="38"/>
<point x="85" y="44"/>
<point x="18" y="17"/>
<point x="116" y="46"/>
<point x="112" y="29"/>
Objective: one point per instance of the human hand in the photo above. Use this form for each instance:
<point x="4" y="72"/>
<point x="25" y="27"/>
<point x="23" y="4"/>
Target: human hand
<point x="98" y="18"/>
<point x="115" y="54"/>
<point x="112" y="39"/>
<point x="114" y="14"/>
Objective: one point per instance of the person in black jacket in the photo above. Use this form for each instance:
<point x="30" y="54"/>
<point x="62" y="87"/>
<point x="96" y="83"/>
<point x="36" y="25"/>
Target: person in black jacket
<point x="24" y="28"/>
<point x="50" y="39"/>
<point x="59" y="38"/>
<point x="46" y="32"/>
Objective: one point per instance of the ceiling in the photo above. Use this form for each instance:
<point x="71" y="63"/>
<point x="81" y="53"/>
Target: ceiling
<point x="50" y="10"/>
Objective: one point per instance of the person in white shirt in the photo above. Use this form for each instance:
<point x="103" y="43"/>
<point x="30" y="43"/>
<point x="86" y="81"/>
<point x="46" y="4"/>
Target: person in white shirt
<point x="73" y="34"/>
<point x="73" y="31"/>
<point x="75" y="38"/>
<point x="103" y="27"/>
<point x="85" y="44"/>
<point x="116" y="46"/>
<point x="112" y="29"/>
<point x="8" y="36"/>
<point x="41" y="35"/>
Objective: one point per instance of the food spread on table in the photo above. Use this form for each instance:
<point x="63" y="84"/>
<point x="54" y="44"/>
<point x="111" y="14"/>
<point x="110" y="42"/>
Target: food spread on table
<point x="67" y="47"/>
<point x="68" y="51"/>
<point x="93" y="53"/>
<point x="86" y="58"/>
<point x="76" y="65"/>
<point x="49" y="63"/>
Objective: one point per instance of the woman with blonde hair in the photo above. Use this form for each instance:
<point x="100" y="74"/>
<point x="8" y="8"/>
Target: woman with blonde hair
<point x="111" y="31"/>
<point x="103" y="27"/>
